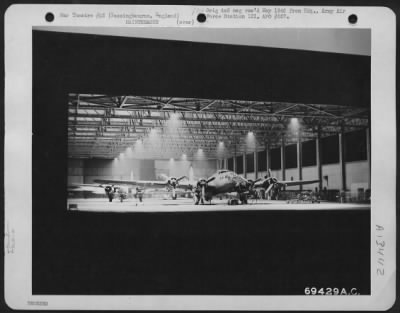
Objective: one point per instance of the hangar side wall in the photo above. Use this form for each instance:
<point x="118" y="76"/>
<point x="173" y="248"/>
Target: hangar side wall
<point x="277" y="174"/>
<point x="292" y="174"/>
<point x="86" y="171"/>
<point x="331" y="176"/>
<point x="310" y="173"/>
<point x="75" y="171"/>
<point x="357" y="175"/>
<point x="251" y="175"/>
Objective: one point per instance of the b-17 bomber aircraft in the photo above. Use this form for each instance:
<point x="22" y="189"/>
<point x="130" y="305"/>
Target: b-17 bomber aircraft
<point x="224" y="181"/>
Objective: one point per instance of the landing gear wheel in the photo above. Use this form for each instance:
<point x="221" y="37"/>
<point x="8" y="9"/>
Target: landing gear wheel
<point x="243" y="199"/>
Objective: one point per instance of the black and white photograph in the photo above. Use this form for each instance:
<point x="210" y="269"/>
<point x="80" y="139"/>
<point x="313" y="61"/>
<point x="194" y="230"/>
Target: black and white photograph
<point x="230" y="163"/>
<point x="199" y="161"/>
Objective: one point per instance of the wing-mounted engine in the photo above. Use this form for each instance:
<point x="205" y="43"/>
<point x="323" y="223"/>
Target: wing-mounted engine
<point x="200" y="190"/>
<point x="251" y="186"/>
<point x="110" y="192"/>
<point x="272" y="187"/>
<point x="173" y="183"/>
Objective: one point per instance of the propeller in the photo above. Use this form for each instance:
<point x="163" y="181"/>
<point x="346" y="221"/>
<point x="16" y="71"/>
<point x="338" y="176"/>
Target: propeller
<point x="174" y="182"/>
<point x="108" y="189"/>
<point x="271" y="184"/>
<point x="253" y="182"/>
<point x="250" y="185"/>
<point x="210" y="179"/>
<point x="269" y="189"/>
<point x="202" y="184"/>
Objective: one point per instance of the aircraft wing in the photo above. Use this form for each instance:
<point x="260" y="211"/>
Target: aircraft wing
<point x="94" y="188"/>
<point x="186" y="185"/>
<point x="298" y="182"/>
<point x="142" y="183"/>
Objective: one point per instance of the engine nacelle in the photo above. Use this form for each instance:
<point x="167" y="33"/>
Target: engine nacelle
<point x="110" y="191"/>
<point x="173" y="182"/>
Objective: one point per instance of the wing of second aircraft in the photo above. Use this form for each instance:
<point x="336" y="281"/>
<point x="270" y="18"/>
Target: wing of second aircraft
<point x="297" y="182"/>
<point x="131" y="182"/>
<point x="147" y="183"/>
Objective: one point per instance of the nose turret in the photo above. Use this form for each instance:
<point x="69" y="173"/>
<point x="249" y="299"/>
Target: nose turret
<point x="172" y="182"/>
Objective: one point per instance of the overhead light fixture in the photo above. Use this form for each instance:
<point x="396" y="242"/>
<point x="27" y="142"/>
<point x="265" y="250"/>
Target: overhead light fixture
<point x="294" y="125"/>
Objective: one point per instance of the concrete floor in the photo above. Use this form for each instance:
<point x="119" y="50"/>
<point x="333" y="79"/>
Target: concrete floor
<point x="186" y="205"/>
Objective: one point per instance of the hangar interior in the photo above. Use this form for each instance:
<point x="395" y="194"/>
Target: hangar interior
<point x="147" y="138"/>
<point x="295" y="101"/>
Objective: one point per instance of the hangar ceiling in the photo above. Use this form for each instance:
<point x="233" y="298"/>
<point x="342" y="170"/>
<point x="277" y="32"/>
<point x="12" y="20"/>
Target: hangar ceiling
<point x="104" y="126"/>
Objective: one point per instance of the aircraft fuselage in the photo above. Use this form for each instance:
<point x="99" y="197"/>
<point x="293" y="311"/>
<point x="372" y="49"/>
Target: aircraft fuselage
<point x="223" y="182"/>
